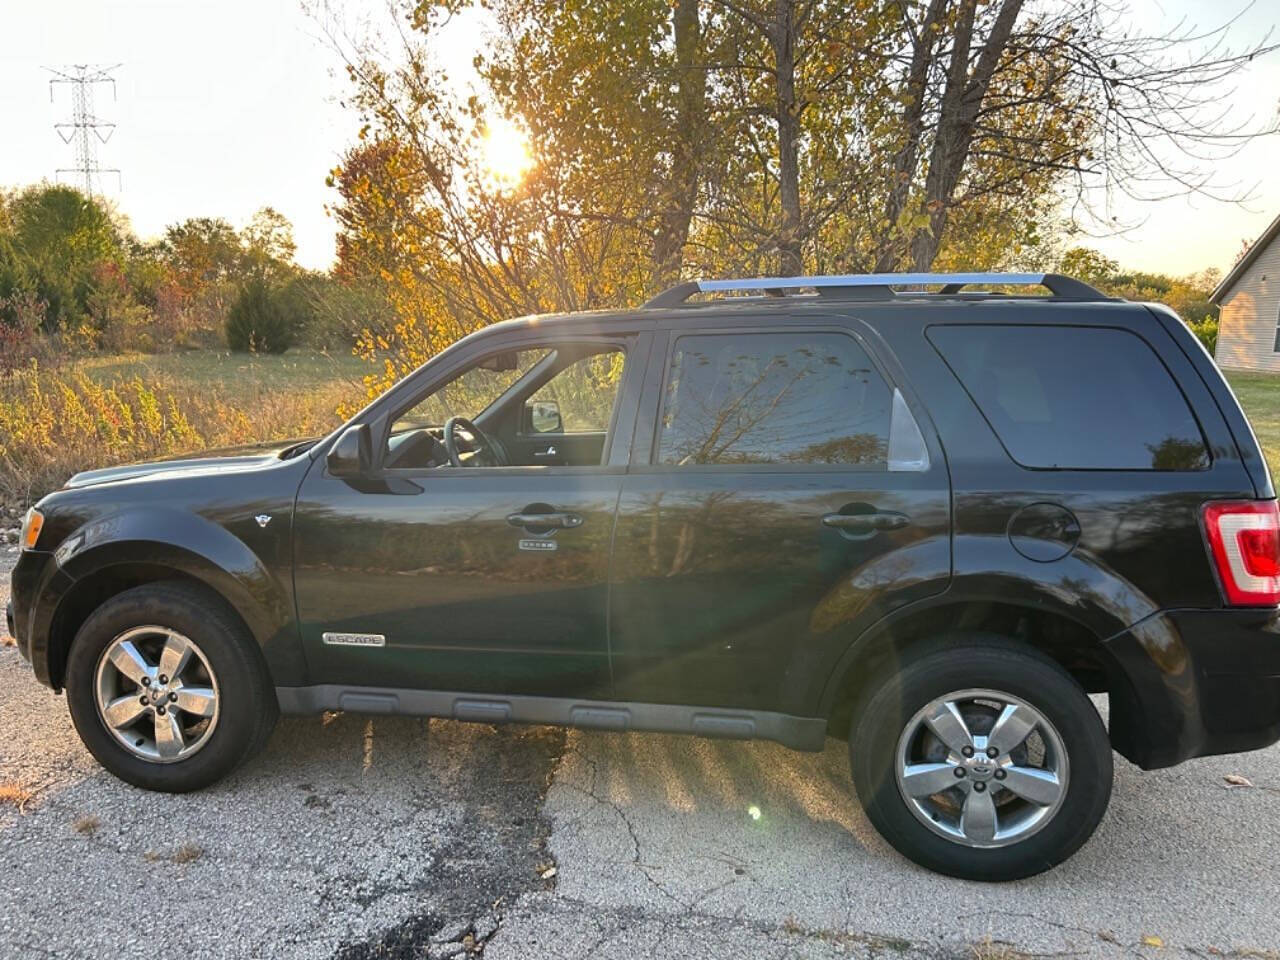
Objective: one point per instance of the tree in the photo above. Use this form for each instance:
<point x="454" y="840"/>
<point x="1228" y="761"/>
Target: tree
<point x="268" y="245"/>
<point x="1188" y="296"/>
<point x="59" y="237"/>
<point x="202" y="251"/>
<point x="60" y="226"/>
<point x="596" y="87"/>
<point x="751" y="136"/>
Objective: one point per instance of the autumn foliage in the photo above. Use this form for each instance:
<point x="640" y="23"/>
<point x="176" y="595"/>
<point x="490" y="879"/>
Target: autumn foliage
<point x="680" y="138"/>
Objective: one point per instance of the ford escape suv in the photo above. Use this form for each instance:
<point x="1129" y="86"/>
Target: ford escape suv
<point x="928" y="513"/>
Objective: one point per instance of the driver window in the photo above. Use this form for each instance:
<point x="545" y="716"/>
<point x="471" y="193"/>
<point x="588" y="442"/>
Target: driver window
<point x="578" y="399"/>
<point x="544" y="406"/>
<point x="471" y="392"/>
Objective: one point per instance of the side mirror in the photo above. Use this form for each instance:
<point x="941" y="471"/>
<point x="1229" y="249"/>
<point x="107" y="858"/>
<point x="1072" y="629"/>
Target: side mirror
<point x="352" y="454"/>
<point x="543" y="416"/>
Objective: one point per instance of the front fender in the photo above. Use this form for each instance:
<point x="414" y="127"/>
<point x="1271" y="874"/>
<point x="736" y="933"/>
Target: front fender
<point x="192" y="547"/>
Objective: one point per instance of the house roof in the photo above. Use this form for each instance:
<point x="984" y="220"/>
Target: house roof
<point x="1255" y="251"/>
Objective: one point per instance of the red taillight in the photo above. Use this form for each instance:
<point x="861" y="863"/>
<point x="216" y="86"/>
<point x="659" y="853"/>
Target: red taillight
<point x="1244" y="537"/>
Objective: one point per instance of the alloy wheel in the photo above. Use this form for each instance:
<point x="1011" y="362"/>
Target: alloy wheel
<point x="982" y="768"/>
<point x="156" y="694"/>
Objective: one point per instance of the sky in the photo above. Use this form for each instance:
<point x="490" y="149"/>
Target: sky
<point x="224" y="107"/>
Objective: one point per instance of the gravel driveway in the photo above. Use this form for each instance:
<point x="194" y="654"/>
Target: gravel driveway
<point x="354" y="837"/>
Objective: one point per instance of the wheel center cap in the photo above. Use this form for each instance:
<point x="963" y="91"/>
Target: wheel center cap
<point x="980" y="768"/>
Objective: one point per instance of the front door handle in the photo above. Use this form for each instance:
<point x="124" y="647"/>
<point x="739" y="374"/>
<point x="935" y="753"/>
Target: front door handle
<point x="549" y="452"/>
<point x="866" y="522"/>
<point x="562" y="521"/>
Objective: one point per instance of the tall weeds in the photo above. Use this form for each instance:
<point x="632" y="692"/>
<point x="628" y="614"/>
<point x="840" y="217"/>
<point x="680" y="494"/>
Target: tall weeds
<point x="54" y="423"/>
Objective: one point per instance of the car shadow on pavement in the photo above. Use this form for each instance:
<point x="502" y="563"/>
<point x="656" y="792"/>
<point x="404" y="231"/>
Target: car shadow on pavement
<point x="761" y="833"/>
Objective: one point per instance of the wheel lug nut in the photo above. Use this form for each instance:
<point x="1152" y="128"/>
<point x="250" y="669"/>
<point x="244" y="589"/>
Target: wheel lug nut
<point x="992" y="752"/>
<point x="1000" y="774"/>
<point x="967" y="751"/>
<point x="960" y="772"/>
<point x="146" y="681"/>
<point x="160" y="710"/>
<point x="173" y="697"/>
<point x="163" y="679"/>
<point x="979" y="786"/>
<point x="144" y="701"/>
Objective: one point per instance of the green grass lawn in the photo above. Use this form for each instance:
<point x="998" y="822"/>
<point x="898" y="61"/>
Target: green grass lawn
<point x="1259" y="394"/>
<point x="238" y="377"/>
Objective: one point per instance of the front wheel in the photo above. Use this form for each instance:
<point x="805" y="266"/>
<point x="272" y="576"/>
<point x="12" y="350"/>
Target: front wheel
<point x="983" y="760"/>
<point x="166" y="688"/>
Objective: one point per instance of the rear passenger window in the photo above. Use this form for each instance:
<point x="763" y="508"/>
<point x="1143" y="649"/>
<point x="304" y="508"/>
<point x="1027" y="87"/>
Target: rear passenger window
<point x="773" y="398"/>
<point x="1075" y="397"/>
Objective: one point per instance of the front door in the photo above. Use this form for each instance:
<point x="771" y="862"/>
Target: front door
<point x="786" y="499"/>
<point x="479" y="578"/>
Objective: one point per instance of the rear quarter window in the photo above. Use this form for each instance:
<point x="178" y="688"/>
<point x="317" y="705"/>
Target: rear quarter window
<point x="1083" y="398"/>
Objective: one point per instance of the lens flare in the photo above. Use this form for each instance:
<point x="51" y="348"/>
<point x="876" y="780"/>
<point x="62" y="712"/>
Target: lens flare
<point x="505" y="152"/>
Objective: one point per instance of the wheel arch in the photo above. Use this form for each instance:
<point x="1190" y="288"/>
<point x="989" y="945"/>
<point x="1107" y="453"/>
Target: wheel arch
<point x="91" y="591"/>
<point x="1077" y="647"/>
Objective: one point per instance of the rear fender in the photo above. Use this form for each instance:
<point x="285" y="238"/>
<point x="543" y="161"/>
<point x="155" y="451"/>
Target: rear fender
<point x="1145" y="664"/>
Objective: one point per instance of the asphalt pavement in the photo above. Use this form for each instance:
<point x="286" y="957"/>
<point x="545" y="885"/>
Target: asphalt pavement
<point x="354" y="837"/>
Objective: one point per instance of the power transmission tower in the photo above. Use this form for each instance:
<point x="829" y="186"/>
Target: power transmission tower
<point x="84" y="127"/>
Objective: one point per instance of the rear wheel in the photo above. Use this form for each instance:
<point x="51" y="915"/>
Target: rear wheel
<point x="166" y="688"/>
<point x="982" y="760"/>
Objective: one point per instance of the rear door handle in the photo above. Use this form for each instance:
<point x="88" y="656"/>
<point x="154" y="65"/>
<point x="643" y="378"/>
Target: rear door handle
<point x="866" y="522"/>
<point x="564" y="521"/>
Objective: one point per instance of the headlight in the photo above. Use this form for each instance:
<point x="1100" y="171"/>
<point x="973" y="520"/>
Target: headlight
<point x="31" y="527"/>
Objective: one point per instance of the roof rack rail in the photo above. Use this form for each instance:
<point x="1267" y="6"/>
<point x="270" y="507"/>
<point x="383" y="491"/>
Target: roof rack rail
<point x="878" y="286"/>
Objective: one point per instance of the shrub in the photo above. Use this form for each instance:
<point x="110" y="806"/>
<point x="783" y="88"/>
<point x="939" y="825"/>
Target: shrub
<point x="1206" y="331"/>
<point x="21" y="317"/>
<point x="296" y="300"/>
<point x="260" y="320"/>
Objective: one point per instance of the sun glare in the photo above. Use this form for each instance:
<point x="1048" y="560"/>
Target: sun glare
<point x="506" y="152"/>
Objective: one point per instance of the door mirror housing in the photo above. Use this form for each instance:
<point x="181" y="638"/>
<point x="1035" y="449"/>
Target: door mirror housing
<point x="542" y="416"/>
<point x="352" y="454"/>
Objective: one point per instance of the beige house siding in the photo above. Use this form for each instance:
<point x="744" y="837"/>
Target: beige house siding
<point x="1250" y="311"/>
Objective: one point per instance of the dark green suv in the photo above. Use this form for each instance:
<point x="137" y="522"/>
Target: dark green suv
<point x="890" y="508"/>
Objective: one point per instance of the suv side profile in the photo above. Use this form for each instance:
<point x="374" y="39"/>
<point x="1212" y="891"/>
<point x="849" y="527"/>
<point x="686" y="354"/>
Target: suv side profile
<point x="882" y="507"/>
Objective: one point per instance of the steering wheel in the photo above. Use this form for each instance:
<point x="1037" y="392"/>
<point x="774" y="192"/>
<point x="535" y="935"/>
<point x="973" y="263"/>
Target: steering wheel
<point x="485" y="450"/>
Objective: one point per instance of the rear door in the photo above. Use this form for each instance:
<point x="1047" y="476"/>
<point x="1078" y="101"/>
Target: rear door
<point x="782" y="495"/>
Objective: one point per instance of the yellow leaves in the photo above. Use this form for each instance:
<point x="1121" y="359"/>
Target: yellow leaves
<point x="1151" y="940"/>
<point x="148" y="409"/>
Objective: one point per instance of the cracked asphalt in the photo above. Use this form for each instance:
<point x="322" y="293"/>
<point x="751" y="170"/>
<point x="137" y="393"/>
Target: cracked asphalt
<point x="354" y="837"/>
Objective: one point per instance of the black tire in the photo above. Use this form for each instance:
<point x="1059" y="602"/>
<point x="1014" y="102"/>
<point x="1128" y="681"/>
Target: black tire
<point x="247" y="703"/>
<point x="989" y="663"/>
